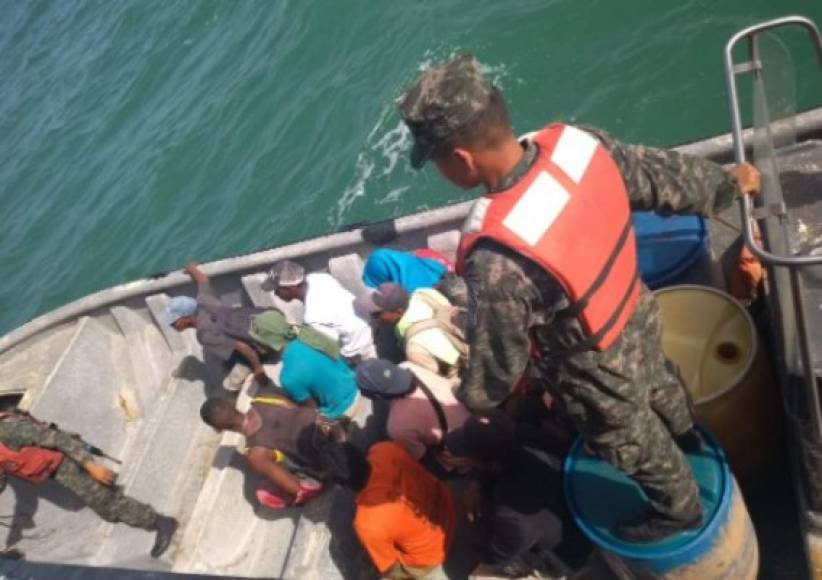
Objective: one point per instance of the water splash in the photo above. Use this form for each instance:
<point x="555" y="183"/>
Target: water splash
<point x="375" y="164"/>
<point x="389" y="140"/>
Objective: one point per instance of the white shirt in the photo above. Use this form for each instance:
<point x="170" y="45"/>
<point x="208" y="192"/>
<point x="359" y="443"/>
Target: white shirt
<point x="329" y="308"/>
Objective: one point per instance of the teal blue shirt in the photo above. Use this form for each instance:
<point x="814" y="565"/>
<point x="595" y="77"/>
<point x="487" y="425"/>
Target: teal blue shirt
<point x="308" y="373"/>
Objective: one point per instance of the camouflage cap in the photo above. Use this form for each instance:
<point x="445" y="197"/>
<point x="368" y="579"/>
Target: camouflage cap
<point x="444" y="99"/>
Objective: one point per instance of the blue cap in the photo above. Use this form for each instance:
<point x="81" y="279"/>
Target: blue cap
<point x="178" y="307"/>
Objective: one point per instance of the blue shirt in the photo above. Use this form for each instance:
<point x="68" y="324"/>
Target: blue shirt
<point x="308" y="373"/>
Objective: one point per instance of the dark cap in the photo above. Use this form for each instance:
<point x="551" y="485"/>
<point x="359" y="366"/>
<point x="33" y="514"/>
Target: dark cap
<point x="387" y="296"/>
<point x="383" y="379"/>
<point x="483" y="438"/>
<point x="443" y="100"/>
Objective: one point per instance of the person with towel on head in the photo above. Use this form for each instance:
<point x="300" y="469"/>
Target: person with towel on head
<point x="403" y="268"/>
<point x="329" y="308"/>
<point x="426" y="323"/>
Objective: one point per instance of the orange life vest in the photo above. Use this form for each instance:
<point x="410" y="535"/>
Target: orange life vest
<point x="569" y="214"/>
<point x="33" y="464"/>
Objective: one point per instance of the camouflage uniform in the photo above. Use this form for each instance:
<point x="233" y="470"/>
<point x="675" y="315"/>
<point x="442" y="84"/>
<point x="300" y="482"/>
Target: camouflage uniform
<point x="110" y="503"/>
<point x="626" y="401"/>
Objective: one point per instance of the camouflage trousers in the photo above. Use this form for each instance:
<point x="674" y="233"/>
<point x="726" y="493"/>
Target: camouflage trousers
<point x="110" y="503"/>
<point x="627" y="403"/>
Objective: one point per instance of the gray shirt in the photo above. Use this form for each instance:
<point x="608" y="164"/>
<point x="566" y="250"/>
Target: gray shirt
<point x="219" y="326"/>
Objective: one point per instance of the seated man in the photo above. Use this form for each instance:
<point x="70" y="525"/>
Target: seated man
<point x="34" y="452"/>
<point x="405" y="517"/>
<point x="426" y="323"/>
<point x="403" y="268"/>
<point x="329" y="308"/>
<point x="422" y="407"/>
<point x="520" y="488"/>
<point x="277" y="432"/>
<point x="312" y="372"/>
<point x="221" y="329"/>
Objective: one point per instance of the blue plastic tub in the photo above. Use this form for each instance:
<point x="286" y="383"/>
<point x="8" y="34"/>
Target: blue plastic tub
<point x="600" y="498"/>
<point x="667" y="246"/>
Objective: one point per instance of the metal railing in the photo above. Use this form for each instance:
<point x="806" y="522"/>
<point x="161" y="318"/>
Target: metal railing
<point x="792" y="262"/>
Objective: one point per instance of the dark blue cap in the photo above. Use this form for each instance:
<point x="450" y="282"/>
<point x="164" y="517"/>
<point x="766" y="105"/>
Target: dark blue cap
<point x="379" y="378"/>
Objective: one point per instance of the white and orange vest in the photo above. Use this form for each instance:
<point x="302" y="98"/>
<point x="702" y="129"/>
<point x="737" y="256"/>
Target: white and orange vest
<point x="569" y="214"/>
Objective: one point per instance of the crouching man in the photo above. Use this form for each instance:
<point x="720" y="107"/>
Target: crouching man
<point x="427" y="324"/>
<point x="515" y="499"/>
<point x="280" y="436"/>
<point x="405" y="517"/>
<point x="422" y="408"/>
<point x="35" y="452"/>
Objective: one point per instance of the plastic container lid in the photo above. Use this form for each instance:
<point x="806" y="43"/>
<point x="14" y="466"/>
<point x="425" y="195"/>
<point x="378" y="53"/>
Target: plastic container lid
<point x="667" y="246"/>
<point x="600" y="498"/>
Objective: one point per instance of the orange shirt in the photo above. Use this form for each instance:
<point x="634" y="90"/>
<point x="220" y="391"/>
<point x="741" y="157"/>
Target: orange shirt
<point x="404" y="513"/>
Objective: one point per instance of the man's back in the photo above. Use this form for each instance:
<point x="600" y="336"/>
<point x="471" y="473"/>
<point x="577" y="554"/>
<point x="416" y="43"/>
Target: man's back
<point x="285" y="427"/>
<point x="308" y="373"/>
<point x="429" y="342"/>
<point x="404" y="514"/>
<point x="220" y="326"/>
<point x="329" y="308"/>
<point x="413" y="421"/>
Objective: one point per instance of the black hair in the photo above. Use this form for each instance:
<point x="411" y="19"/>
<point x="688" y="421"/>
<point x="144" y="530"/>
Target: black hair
<point x="487" y="129"/>
<point x="345" y="464"/>
<point x="217" y="413"/>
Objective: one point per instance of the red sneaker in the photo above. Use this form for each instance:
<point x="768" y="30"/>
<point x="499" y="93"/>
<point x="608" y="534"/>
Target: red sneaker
<point x="273" y="497"/>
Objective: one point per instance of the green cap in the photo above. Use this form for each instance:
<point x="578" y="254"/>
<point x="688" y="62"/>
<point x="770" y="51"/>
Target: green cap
<point x="443" y="100"/>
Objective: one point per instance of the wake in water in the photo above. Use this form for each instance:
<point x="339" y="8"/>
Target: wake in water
<point x="378" y="175"/>
<point x="376" y="163"/>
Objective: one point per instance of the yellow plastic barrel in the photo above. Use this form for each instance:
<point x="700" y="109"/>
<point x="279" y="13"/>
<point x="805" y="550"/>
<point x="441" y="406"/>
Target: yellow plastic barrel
<point x="713" y="339"/>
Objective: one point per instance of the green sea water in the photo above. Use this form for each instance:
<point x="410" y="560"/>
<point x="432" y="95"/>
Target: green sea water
<point x="137" y="135"/>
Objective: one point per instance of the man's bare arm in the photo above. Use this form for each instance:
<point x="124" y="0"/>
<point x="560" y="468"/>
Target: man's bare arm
<point x="263" y="461"/>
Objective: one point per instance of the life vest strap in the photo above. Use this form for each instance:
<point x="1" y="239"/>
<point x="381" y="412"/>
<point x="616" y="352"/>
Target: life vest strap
<point x="577" y="307"/>
<point x="590" y="342"/>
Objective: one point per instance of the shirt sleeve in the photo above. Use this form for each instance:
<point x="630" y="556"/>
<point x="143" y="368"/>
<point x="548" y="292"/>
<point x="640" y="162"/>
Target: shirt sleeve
<point x="502" y="299"/>
<point x="25" y="432"/>
<point x="219" y="344"/>
<point x="670" y="182"/>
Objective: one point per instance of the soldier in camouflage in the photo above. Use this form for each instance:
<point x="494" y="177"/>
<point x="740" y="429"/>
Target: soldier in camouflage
<point x="628" y="401"/>
<point x="89" y="481"/>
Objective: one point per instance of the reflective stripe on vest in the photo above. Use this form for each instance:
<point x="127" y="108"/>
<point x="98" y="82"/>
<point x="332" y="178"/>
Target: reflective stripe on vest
<point x="32" y="464"/>
<point x="570" y="214"/>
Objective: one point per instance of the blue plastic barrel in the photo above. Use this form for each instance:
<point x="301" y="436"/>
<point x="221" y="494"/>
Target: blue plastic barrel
<point x="600" y="497"/>
<point x="667" y="246"/>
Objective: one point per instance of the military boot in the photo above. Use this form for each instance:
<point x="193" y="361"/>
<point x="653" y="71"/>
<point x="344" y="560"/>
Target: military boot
<point x="165" y="526"/>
